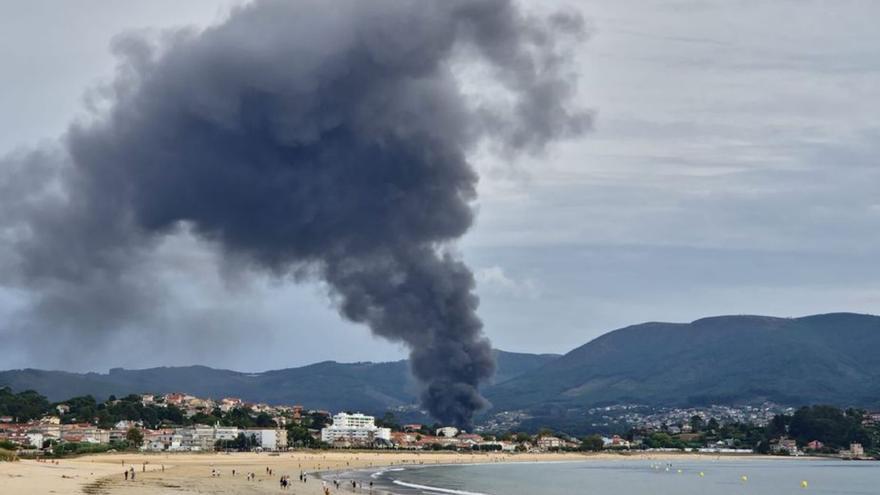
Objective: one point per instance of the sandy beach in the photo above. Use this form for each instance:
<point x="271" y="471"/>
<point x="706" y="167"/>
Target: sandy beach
<point x="192" y="473"/>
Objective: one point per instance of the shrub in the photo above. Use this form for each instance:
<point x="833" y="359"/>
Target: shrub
<point x="7" y="455"/>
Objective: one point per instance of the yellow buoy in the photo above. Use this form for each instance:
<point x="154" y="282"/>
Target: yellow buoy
<point x="745" y="478"/>
<point x="679" y="471"/>
<point x="702" y="474"/>
<point x="804" y="484"/>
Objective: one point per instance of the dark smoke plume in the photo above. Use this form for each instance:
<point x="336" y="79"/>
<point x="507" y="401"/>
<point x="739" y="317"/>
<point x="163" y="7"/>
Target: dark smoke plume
<point x="316" y="138"/>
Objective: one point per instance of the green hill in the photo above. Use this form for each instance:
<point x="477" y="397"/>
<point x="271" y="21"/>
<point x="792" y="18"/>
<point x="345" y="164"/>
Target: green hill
<point x="833" y="358"/>
<point x="329" y="385"/>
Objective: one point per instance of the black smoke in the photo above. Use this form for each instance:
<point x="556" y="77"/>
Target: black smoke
<point x="321" y="139"/>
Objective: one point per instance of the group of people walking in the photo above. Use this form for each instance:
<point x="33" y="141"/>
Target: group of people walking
<point x="284" y="481"/>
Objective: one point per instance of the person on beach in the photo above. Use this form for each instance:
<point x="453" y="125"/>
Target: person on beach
<point x="126" y="475"/>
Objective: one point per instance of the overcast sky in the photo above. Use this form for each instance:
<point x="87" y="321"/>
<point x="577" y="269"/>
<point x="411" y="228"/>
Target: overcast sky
<point x="734" y="167"/>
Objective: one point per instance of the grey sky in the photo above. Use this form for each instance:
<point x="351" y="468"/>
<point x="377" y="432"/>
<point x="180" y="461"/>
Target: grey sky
<point x="733" y="168"/>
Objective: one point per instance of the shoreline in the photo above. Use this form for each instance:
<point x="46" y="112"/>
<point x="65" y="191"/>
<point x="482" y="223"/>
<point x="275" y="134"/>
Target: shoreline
<point x="386" y="485"/>
<point x="97" y="474"/>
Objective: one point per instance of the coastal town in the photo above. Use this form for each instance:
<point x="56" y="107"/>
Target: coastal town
<point x="179" y="422"/>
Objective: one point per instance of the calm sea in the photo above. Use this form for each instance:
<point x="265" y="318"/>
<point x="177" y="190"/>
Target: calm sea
<point x="719" y="477"/>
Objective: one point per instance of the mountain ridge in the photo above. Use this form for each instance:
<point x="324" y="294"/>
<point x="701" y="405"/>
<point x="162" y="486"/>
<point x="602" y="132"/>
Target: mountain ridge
<point x="734" y="358"/>
<point x="826" y="358"/>
<point x="366" y="385"/>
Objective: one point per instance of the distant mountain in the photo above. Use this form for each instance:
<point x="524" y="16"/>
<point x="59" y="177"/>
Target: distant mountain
<point x="832" y="358"/>
<point x="372" y="387"/>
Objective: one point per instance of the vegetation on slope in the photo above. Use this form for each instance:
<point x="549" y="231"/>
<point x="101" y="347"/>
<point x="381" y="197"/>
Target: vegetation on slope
<point x="724" y="360"/>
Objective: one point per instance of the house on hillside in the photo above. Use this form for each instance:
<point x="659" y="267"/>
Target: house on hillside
<point x="615" y="442"/>
<point x="447" y="431"/>
<point x="405" y="440"/>
<point x="855" y="450"/>
<point x="784" y="446"/>
<point x="872" y="418"/>
<point x="50" y="420"/>
<point x="815" y="445"/>
<point x="468" y="440"/>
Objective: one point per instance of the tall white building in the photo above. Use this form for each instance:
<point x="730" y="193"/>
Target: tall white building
<point x="354" y="428"/>
<point x="266" y="439"/>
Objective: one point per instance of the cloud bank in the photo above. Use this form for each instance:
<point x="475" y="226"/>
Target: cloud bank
<point x="297" y="140"/>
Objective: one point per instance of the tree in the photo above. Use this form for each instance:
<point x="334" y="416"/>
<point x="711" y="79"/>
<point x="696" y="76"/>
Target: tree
<point x="135" y="437"/>
<point x="593" y="443"/>
<point x="318" y="420"/>
<point x="660" y="440"/>
<point x="778" y="426"/>
<point x="24" y="406"/>
<point x="239" y="417"/>
<point x="696" y="423"/>
<point x="299" y="436"/>
<point x="205" y="419"/>
<point x="829" y="425"/>
<point x="713" y="425"/>
<point x="264" y="421"/>
<point x="389" y="420"/>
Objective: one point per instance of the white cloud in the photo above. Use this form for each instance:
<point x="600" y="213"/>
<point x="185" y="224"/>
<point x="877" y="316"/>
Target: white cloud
<point x="495" y="280"/>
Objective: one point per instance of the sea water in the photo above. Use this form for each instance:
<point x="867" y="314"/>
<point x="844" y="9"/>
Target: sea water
<point x="722" y="476"/>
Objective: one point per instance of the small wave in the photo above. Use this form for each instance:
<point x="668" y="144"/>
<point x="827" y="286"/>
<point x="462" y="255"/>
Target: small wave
<point x="435" y="489"/>
<point x="380" y="473"/>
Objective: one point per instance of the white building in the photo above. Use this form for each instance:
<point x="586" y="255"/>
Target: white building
<point x="200" y="437"/>
<point x="550" y="443"/>
<point x="447" y="431"/>
<point x="35" y="439"/>
<point x="354" y="428"/>
<point x="267" y="439"/>
<point x="225" y="432"/>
